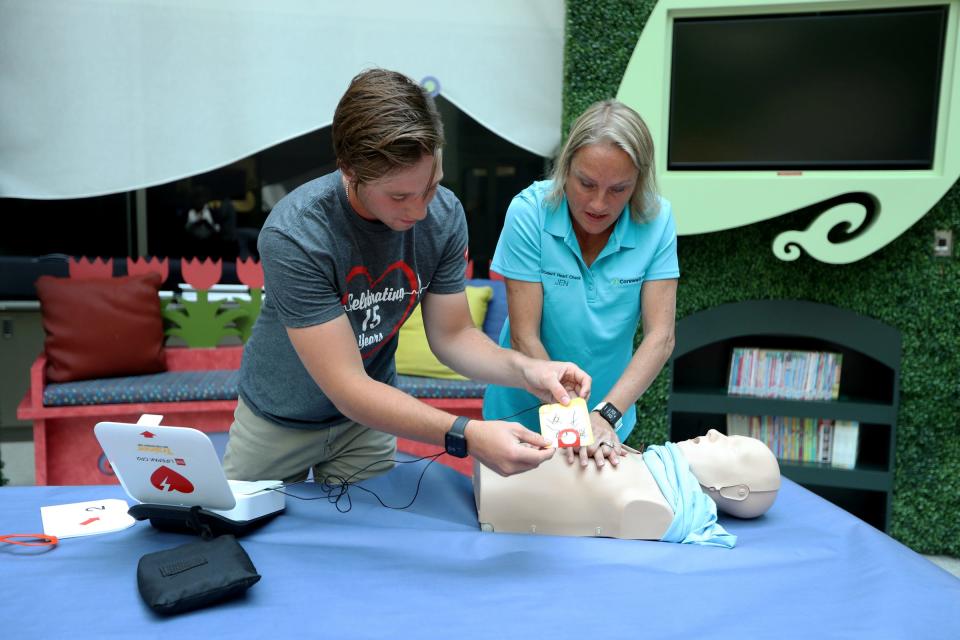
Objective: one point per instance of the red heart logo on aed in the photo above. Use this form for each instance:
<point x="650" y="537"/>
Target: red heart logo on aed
<point x="361" y="305"/>
<point x="166" y="479"/>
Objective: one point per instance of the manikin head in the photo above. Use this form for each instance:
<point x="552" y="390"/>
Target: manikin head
<point x="739" y="473"/>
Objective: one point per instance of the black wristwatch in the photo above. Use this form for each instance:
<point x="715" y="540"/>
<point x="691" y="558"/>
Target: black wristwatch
<point x="610" y="413"/>
<point x="456" y="440"/>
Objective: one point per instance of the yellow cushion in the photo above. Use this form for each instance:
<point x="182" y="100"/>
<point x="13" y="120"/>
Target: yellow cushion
<point x="414" y="357"/>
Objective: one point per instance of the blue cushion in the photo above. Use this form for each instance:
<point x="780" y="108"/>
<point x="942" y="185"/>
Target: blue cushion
<point x="170" y="386"/>
<point x="434" y="388"/>
<point x="496" y="310"/>
<point x="220" y="384"/>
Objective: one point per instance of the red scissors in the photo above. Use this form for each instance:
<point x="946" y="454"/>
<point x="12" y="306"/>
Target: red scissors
<point x="30" y="539"/>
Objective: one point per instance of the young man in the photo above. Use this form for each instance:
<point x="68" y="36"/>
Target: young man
<point x="346" y="258"/>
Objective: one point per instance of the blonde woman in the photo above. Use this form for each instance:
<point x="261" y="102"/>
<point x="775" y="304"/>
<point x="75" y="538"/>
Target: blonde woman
<point x="587" y="256"/>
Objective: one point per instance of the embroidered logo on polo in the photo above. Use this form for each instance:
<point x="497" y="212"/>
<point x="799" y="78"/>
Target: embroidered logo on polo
<point x="558" y="279"/>
<point x="562" y="276"/>
<point x="373" y="302"/>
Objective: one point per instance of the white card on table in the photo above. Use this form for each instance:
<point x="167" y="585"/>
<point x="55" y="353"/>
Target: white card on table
<point x="86" y="518"/>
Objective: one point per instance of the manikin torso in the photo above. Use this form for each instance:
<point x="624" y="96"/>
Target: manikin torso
<point x="740" y="474"/>
<point x="559" y="498"/>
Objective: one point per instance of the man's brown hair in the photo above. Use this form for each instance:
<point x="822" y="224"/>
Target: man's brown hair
<point x="384" y="122"/>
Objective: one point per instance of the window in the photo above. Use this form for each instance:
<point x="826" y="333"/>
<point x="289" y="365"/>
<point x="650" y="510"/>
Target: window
<point x="230" y="204"/>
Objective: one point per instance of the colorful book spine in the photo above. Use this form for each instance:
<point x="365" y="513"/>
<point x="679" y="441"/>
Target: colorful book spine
<point x="794" y="375"/>
<point x="793" y="439"/>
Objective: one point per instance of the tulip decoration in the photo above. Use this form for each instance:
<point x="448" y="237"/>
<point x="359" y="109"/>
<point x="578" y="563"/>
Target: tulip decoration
<point x="143" y="266"/>
<point x="90" y="268"/>
<point x="201" y="274"/>
<point x="200" y="322"/>
<point x="250" y="273"/>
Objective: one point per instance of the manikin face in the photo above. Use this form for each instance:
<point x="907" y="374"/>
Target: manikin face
<point x="720" y="461"/>
<point x="601" y="181"/>
<point x="400" y="198"/>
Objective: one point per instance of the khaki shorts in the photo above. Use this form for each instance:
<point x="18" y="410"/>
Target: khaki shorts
<point x="262" y="450"/>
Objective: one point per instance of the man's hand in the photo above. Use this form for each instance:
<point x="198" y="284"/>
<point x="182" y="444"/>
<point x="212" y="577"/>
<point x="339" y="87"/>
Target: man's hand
<point x="506" y="447"/>
<point x="555" y="381"/>
<point x="606" y="444"/>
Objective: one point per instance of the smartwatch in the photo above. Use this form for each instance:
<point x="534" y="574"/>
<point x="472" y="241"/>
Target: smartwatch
<point x="456" y="441"/>
<point x="610" y="413"/>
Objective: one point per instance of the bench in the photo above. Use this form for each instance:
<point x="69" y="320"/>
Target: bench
<point x="199" y="390"/>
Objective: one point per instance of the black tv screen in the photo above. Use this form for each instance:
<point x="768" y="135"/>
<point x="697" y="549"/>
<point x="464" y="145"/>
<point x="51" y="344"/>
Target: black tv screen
<point x="829" y="90"/>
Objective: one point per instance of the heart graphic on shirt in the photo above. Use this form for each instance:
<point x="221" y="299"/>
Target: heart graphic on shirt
<point x="405" y="269"/>
<point x="166" y="479"/>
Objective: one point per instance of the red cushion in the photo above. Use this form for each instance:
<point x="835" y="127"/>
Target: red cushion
<point x="101" y="328"/>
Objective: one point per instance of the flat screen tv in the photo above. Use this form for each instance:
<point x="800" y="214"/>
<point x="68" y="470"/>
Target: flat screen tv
<point x="847" y="90"/>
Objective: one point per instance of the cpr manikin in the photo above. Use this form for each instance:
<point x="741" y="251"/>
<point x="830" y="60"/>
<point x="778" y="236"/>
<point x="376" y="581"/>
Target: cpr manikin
<point x="740" y="474"/>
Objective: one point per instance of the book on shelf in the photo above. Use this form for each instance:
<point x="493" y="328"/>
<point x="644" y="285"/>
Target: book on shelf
<point x="793" y="375"/>
<point x="846" y="435"/>
<point x="792" y="439"/>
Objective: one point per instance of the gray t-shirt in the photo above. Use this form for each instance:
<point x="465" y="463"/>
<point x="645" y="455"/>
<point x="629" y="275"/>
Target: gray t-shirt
<point x="321" y="260"/>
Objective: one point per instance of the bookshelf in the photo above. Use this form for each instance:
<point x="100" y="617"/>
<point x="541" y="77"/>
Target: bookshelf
<point x="869" y="389"/>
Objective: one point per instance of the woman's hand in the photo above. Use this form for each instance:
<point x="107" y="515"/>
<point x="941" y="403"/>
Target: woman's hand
<point x="606" y="444"/>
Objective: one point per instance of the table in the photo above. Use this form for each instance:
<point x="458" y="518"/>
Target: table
<point x="806" y="569"/>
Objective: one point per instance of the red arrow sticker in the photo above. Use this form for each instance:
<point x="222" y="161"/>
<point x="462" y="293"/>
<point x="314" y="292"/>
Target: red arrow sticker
<point x="89" y="520"/>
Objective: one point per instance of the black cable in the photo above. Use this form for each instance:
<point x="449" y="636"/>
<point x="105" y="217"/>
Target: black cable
<point x="536" y="406"/>
<point x="338" y="490"/>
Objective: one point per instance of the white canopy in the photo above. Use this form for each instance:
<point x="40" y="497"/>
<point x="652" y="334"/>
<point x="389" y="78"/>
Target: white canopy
<point x="105" y="96"/>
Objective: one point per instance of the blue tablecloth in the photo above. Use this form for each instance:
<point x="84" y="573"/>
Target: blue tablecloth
<point x="805" y="570"/>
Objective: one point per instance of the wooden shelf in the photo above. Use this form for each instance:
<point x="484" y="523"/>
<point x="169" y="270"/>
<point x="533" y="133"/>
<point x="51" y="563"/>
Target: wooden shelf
<point x="867" y="477"/>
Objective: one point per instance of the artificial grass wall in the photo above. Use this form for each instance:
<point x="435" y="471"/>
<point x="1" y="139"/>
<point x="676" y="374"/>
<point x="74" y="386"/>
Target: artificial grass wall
<point x="902" y="285"/>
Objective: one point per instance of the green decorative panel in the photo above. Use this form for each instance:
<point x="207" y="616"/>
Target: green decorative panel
<point x="204" y="322"/>
<point x="859" y="211"/>
<point x="899" y="283"/>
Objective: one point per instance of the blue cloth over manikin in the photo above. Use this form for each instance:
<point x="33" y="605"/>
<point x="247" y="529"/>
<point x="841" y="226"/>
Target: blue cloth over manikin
<point x="694" y="513"/>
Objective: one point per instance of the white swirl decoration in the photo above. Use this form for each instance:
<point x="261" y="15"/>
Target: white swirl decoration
<point x="790" y="245"/>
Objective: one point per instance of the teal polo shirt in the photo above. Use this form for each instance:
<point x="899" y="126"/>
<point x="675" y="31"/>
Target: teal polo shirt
<point x="590" y="314"/>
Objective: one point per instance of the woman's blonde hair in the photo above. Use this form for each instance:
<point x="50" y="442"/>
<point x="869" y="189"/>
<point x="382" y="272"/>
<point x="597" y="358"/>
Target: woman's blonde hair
<point x="612" y="122"/>
<point x="384" y="122"/>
